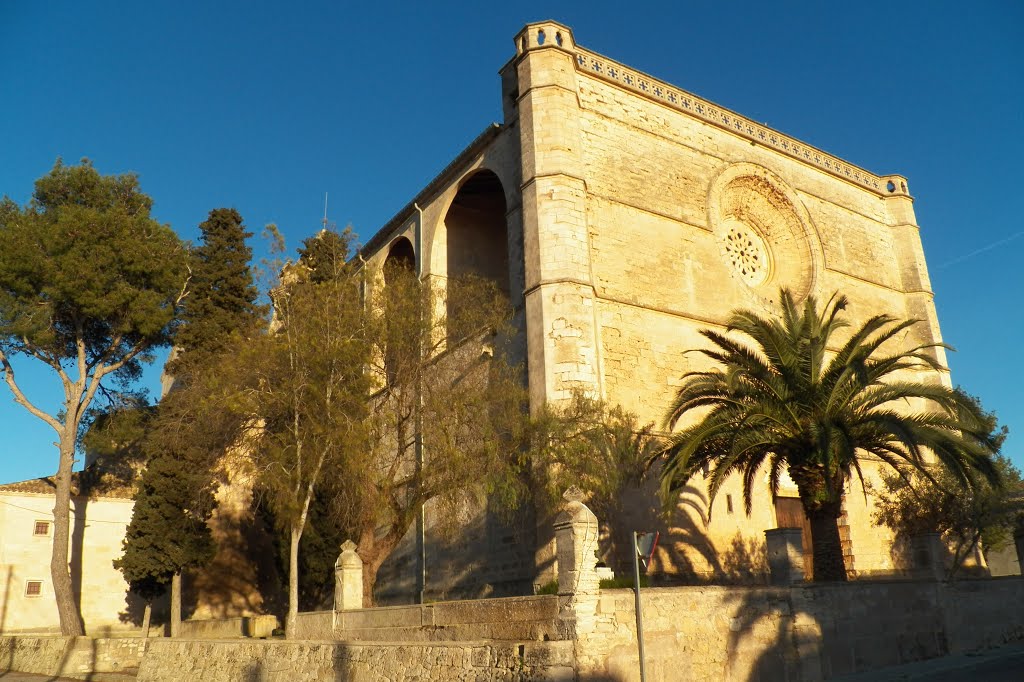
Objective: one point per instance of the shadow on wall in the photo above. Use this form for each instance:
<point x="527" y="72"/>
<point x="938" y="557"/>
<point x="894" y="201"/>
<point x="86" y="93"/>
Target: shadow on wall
<point x="476" y="556"/>
<point x="242" y="579"/>
<point x="686" y="555"/>
<point x="73" y="646"/>
<point x="79" y="505"/>
<point x="6" y="597"/>
<point x="765" y="625"/>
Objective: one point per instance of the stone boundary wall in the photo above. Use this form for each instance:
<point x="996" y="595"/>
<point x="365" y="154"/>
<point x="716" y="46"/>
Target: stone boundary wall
<point x="315" y="625"/>
<point x="506" y="619"/>
<point x="807" y="632"/>
<point x="173" y="660"/>
<point x="742" y="634"/>
<point x="75" y="657"/>
<point x="229" y="628"/>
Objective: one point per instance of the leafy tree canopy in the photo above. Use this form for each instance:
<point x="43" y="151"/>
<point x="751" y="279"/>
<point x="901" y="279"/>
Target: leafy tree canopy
<point x="936" y="501"/>
<point x="85" y="267"/>
<point x="326" y="253"/>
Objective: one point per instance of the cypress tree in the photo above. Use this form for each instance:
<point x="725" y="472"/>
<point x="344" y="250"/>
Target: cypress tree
<point x="168" y="531"/>
<point x="191" y="430"/>
<point x="222" y="295"/>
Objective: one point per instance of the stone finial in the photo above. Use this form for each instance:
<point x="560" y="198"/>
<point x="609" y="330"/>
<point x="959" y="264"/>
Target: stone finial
<point x="573" y="494"/>
<point x="348" y="578"/>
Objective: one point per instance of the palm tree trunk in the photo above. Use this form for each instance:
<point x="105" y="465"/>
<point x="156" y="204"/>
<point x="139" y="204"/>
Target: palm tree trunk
<point x="826" y="546"/>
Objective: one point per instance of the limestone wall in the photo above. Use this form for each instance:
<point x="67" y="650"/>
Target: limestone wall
<point x="509" y="619"/>
<point x="315" y="625"/>
<point x="174" y="660"/>
<point x="516" y="619"/>
<point x="638" y="214"/>
<point x="75" y="657"/>
<point x="228" y="628"/>
<point x="739" y="634"/>
<point x="811" y="632"/>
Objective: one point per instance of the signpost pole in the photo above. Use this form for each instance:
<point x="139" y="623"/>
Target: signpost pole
<point x="639" y="612"/>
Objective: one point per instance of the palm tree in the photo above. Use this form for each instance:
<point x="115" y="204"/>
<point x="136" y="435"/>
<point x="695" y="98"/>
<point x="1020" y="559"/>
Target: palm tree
<point x="780" y="402"/>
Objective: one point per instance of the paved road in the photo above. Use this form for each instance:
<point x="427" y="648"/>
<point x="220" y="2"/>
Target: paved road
<point x="1005" y="664"/>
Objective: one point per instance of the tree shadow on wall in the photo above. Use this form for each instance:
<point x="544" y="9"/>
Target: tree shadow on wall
<point x="685" y="555"/>
<point x="765" y="643"/>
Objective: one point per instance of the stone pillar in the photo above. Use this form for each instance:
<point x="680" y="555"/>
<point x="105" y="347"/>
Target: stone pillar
<point x="579" y="590"/>
<point x="785" y="555"/>
<point x="576" y="531"/>
<point x="926" y="554"/>
<point x="348" y="579"/>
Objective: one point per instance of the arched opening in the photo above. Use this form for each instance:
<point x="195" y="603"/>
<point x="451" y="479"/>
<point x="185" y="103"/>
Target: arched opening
<point x="401" y="302"/>
<point x="477" y="233"/>
<point x="401" y="256"/>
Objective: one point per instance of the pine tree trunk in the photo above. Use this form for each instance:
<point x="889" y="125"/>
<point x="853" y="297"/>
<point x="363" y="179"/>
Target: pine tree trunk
<point x="63" y="591"/>
<point x="826" y="546"/>
<point x="176" y="605"/>
<point x="293" y="583"/>
<point x="147" y="614"/>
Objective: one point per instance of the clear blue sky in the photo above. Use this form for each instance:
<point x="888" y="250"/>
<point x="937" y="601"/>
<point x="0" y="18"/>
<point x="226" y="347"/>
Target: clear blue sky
<point x="266" y="106"/>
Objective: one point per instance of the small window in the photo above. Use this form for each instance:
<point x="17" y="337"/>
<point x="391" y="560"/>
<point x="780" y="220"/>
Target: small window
<point x="728" y="503"/>
<point x="42" y="528"/>
<point x="34" y="588"/>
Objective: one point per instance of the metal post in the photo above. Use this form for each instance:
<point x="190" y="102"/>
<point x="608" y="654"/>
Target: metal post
<point x="639" y="611"/>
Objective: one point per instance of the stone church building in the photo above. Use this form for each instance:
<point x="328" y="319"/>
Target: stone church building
<point x="622" y="215"/>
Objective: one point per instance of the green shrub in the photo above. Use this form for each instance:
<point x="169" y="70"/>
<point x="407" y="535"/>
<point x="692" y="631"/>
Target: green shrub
<point x="620" y="582"/>
<point x="550" y="588"/>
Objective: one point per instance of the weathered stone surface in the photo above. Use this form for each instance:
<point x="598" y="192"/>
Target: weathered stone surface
<point x="74" y="657"/>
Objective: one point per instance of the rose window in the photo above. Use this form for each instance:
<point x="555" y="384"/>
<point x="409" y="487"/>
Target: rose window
<point x="745" y="251"/>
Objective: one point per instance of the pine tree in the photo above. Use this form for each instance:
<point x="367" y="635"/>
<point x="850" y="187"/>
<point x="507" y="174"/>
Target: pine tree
<point x="90" y="284"/>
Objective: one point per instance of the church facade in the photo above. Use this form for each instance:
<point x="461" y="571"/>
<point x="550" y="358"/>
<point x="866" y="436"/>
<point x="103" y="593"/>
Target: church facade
<point x="622" y="215"/>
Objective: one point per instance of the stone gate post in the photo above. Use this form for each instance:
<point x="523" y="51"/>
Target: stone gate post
<point x="785" y="555"/>
<point x="576" y="532"/>
<point x="348" y="579"/>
